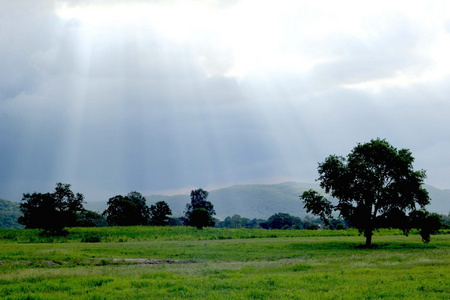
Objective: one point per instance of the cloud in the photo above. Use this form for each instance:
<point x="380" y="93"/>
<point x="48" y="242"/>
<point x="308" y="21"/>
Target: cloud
<point x="27" y="31"/>
<point x="389" y="52"/>
<point x="117" y="106"/>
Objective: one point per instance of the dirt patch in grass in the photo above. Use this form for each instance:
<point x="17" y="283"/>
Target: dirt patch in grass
<point x="97" y="262"/>
<point x="51" y="263"/>
<point x="146" y="261"/>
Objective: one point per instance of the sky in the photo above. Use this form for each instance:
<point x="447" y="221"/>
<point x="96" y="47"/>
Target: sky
<point x="162" y="97"/>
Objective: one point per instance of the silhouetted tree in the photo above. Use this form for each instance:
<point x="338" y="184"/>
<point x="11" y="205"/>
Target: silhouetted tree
<point x="375" y="185"/>
<point x="200" y="217"/>
<point x="144" y="210"/>
<point x="427" y="223"/>
<point x="199" y="212"/>
<point x="159" y="214"/>
<point x="51" y="212"/>
<point x="127" y="210"/>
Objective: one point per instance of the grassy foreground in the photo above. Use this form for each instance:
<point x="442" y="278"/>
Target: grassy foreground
<point x="186" y="263"/>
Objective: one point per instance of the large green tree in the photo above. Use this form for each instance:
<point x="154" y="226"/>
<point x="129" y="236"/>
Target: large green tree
<point x="51" y="211"/>
<point x="159" y="214"/>
<point x="127" y="210"/>
<point x="200" y="211"/>
<point x="376" y="187"/>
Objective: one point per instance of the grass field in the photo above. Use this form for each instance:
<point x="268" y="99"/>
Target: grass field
<point x="186" y="263"/>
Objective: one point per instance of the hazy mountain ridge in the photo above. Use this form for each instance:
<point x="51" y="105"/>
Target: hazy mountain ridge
<point x="440" y="200"/>
<point x="251" y="201"/>
<point x="263" y="200"/>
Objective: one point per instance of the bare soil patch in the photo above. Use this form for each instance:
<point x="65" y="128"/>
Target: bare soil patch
<point x="146" y="261"/>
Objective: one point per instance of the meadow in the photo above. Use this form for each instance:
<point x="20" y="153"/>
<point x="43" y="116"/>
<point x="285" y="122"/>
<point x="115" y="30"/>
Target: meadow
<point x="217" y="263"/>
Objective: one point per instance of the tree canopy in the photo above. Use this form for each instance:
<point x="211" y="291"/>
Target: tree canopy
<point x="127" y="210"/>
<point x="51" y="211"/>
<point x="283" y="220"/>
<point x="200" y="211"/>
<point x="376" y="186"/>
<point x="159" y="214"/>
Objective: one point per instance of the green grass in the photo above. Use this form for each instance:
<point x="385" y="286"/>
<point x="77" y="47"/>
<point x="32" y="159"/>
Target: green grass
<point x="222" y="264"/>
<point x="147" y="233"/>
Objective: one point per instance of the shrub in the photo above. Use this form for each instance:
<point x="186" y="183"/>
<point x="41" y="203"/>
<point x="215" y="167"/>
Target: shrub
<point x="91" y="238"/>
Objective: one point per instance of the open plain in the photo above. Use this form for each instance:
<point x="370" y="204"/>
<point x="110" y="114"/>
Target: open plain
<point x="213" y="263"/>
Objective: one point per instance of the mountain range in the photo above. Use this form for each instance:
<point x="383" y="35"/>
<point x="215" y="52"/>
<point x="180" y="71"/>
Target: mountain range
<point x="260" y="201"/>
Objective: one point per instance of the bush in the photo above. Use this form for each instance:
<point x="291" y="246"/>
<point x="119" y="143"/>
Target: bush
<point x="91" y="238"/>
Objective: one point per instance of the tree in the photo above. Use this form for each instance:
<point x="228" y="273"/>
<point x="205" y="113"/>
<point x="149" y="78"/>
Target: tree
<point x="200" y="211"/>
<point x="375" y="185"/>
<point x="142" y="208"/>
<point x="427" y="223"/>
<point x="283" y="220"/>
<point x="127" y="210"/>
<point x="236" y="221"/>
<point x="51" y="211"/>
<point x="200" y="217"/>
<point x="159" y="214"/>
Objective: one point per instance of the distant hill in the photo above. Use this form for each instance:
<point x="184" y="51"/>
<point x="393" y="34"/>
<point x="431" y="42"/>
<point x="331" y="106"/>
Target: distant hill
<point x="258" y="201"/>
<point x="263" y="200"/>
<point x="440" y="200"/>
<point x="9" y="213"/>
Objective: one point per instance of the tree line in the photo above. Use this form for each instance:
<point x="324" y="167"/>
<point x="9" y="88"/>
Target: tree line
<point x="281" y="221"/>
<point x="52" y="212"/>
<point x="375" y="186"/>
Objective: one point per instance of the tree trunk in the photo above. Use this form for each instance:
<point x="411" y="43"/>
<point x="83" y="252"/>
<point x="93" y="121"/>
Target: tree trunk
<point x="368" y="233"/>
